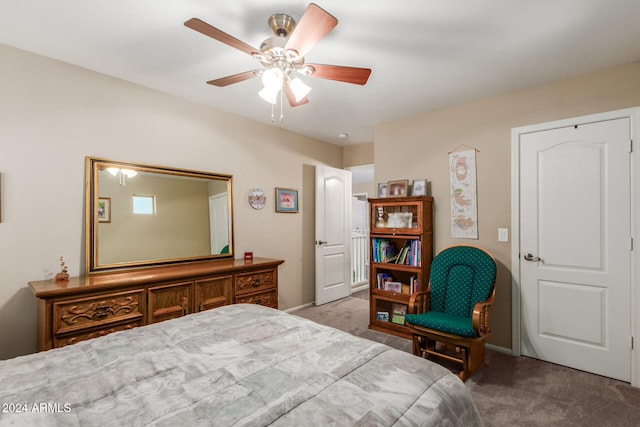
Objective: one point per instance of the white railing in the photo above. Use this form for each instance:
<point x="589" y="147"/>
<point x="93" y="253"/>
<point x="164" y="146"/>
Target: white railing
<point x="359" y="257"/>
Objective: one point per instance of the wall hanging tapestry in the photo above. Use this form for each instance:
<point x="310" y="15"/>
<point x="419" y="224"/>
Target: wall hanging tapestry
<point x="463" y="194"/>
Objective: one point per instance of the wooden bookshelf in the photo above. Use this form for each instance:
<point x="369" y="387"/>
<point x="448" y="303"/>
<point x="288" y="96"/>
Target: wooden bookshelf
<point x="401" y="250"/>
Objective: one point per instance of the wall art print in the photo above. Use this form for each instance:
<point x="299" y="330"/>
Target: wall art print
<point x="463" y="193"/>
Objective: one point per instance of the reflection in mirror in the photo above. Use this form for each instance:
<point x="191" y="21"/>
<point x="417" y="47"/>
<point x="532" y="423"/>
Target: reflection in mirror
<point x="140" y="215"/>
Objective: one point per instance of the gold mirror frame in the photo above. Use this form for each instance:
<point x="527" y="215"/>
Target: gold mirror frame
<point x="173" y="231"/>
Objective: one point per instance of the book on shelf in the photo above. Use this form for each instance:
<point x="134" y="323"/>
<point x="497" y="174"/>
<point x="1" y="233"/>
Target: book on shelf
<point x="381" y="280"/>
<point x="410" y="253"/>
<point x="383" y="250"/>
<point x="385" y="282"/>
<point x="382" y="316"/>
<point x="413" y="284"/>
<point x="399" y="311"/>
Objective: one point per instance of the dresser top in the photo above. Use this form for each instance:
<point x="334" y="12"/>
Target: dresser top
<point x="191" y="270"/>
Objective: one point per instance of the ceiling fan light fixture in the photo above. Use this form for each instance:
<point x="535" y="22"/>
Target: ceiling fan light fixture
<point x="299" y="89"/>
<point x="272" y="79"/>
<point x="269" y="95"/>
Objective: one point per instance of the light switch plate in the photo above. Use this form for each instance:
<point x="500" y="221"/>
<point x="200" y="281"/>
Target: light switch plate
<point x="503" y="234"/>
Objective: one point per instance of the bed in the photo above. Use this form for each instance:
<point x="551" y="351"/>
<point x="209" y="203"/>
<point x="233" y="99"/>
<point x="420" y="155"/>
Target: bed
<point x="235" y="365"/>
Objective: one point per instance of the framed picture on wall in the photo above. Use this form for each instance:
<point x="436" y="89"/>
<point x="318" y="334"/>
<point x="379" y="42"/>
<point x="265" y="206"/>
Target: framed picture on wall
<point x="286" y="200"/>
<point x="104" y="209"/>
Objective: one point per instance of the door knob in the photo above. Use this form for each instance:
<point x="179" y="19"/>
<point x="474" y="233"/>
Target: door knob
<point x="320" y="242"/>
<point x="529" y="257"/>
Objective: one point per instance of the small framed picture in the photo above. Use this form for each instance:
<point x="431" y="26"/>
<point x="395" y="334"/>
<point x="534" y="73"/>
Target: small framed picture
<point x="382" y="189"/>
<point x="104" y="209"/>
<point x="398" y="188"/>
<point x="286" y="200"/>
<point x="419" y="187"/>
<point x="393" y="286"/>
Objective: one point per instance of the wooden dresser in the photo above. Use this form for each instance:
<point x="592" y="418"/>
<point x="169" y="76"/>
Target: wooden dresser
<point x="91" y="306"/>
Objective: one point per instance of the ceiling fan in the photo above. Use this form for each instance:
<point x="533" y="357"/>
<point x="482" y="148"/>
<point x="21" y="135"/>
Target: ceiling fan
<point x="283" y="55"/>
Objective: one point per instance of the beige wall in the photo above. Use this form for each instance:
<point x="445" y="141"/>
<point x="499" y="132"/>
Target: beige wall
<point x="52" y="115"/>
<point x="358" y="155"/>
<point x="418" y="147"/>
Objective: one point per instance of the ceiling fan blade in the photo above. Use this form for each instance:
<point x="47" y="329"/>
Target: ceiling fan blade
<point x="353" y="75"/>
<point x="292" y="98"/>
<point x="313" y="26"/>
<point x="236" y="78"/>
<point x="221" y="36"/>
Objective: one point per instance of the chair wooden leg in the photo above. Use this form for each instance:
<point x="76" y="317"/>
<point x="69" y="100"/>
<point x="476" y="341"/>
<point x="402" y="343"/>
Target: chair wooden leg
<point x="476" y="356"/>
<point x="416" y="348"/>
<point x="470" y="353"/>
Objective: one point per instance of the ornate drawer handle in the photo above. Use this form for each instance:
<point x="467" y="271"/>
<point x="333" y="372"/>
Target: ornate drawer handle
<point x="256" y="282"/>
<point x="102" y="311"/>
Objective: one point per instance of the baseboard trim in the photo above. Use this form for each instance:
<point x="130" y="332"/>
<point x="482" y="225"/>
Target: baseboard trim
<point x="299" y="307"/>
<point x="499" y="349"/>
<point x="360" y="288"/>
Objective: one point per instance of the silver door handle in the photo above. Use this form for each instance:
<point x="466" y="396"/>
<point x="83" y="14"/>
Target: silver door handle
<point x="529" y="257"/>
<point x="320" y="242"/>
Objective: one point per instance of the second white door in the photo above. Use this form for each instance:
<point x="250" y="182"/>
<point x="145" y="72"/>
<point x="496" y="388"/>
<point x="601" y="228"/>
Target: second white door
<point x="333" y="234"/>
<point x="575" y="260"/>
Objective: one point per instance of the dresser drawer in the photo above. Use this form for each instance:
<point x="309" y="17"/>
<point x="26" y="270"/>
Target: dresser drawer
<point x="256" y="281"/>
<point x="268" y="299"/>
<point x="213" y="292"/>
<point x="61" y="341"/>
<point x="78" y="314"/>
<point x="169" y="301"/>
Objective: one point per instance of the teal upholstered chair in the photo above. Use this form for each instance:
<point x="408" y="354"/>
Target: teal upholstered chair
<point x="454" y="310"/>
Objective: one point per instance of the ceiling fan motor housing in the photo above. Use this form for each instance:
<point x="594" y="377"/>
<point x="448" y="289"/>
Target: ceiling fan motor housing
<point x="282" y="25"/>
<point x="273" y="53"/>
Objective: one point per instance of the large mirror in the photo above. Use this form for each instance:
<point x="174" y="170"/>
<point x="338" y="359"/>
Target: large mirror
<point x="141" y="215"/>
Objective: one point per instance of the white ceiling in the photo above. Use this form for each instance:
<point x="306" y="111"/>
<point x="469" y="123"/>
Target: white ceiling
<point x="425" y="54"/>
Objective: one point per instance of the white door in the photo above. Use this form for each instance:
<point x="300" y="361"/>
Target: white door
<point x="219" y="222"/>
<point x="333" y="234"/>
<point x="575" y="254"/>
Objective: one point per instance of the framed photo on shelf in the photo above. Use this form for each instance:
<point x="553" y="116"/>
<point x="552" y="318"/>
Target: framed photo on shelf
<point x="392" y="286"/>
<point x="419" y="187"/>
<point x="286" y="200"/>
<point x="398" y="188"/>
<point x="382" y="189"/>
<point x="104" y="209"/>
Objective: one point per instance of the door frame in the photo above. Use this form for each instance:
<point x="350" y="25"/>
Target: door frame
<point x="634" y="118"/>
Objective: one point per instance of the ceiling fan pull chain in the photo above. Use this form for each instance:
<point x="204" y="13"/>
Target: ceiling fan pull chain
<point x="281" y="114"/>
<point x="273" y="117"/>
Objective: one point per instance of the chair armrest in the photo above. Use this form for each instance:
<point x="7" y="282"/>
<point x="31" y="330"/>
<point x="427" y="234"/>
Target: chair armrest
<point x="480" y="317"/>
<point x="420" y="302"/>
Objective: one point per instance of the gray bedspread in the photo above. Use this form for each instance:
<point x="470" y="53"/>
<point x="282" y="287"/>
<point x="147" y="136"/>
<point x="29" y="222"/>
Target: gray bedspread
<point x="236" y="365"/>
